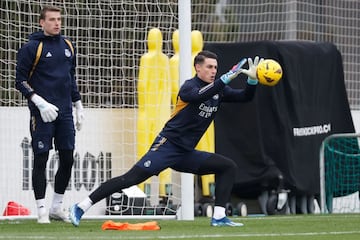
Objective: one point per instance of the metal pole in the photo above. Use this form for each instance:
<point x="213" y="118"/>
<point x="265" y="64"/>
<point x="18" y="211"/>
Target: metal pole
<point x="187" y="180"/>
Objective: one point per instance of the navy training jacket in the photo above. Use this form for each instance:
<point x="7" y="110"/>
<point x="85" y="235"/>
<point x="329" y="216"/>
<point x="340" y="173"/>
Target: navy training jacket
<point x="196" y="107"/>
<point x="54" y="75"/>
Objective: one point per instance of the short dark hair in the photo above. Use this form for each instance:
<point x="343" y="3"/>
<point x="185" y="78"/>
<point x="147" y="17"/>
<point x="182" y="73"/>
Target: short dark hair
<point x="200" y="57"/>
<point x="46" y="9"/>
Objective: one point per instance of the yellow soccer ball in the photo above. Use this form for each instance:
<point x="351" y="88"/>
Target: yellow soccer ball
<point x="269" y="72"/>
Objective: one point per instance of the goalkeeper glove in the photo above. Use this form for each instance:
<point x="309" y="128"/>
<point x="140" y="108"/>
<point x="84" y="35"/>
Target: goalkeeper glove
<point x="236" y="70"/>
<point x="251" y="72"/>
<point x="48" y="111"/>
<point x="79" y="114"/>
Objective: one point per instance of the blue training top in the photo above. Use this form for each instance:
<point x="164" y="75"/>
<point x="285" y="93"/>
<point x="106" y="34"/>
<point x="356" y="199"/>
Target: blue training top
<point x="197" y="104"/>
<point x="54" y="75"/>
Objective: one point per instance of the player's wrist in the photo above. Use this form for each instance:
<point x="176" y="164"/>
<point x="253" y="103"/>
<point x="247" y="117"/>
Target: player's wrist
<point x="251" y="81"/>
<point x="37" y="100"/>
<point x="225" y="78"/>
<point x="234" y="72"/>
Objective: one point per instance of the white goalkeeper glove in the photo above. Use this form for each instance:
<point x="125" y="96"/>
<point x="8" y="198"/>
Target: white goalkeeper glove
<point x="79" y="115"/>
<point x="48" y="111"/>
<point x="234" y="72"/>
<point x="251" y="72"/>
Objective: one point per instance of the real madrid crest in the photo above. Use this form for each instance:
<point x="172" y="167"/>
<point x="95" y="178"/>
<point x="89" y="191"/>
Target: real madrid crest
<point x="67" y="53"/>
<point x="147" y="163"/>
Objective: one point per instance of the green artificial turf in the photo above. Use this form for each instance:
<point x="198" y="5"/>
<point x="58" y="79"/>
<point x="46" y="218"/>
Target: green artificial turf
<point x="315" y="227"/>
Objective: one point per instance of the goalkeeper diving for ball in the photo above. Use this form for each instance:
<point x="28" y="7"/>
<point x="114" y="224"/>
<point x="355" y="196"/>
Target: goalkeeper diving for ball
<point x="198" y="100"/>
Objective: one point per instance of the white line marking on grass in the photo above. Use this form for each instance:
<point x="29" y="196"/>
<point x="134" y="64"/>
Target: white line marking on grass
<point x="258" y="235"/>
<point x="296" y="217"/>
<point x="213" y="236"/>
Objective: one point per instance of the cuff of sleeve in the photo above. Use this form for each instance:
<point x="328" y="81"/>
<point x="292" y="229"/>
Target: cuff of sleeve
<point x="252" y="81"/>
<point x="29" y="95"/>
<point x="225" y="79"/>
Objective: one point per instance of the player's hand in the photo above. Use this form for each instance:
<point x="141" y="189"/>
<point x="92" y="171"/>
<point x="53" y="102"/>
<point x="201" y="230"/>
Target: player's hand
<point x="48" y="111"/>
<point x="79" y="115"/>
<point x="251" y="72"/>
<point x="234" y="72"/>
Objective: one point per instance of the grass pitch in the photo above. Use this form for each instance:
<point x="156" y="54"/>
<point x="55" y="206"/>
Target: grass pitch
<point x="315" y="227"/>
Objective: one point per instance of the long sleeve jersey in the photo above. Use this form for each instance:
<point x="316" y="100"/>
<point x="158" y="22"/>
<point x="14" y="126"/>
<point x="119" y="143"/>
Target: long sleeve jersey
<point x="54" y="75"/>
<point x="196" y="107"/>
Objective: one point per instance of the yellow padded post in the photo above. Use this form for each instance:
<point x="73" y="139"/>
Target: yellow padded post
<point x="154" y="99"/>
<point x="174" y="68"/>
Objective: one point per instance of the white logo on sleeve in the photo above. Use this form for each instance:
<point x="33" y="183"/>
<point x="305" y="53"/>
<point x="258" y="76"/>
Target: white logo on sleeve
<point x="67" y="53"/>
<point x="48" y="54"/>
<point x="147" y="163"/>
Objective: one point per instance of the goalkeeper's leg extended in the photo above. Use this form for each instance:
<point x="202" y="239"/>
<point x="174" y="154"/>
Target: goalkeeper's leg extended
<point x="134" y="176"/>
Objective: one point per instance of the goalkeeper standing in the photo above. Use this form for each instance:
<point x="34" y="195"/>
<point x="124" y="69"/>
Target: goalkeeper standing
<point x="198" y="101"/>
<point x="45" y="75"/>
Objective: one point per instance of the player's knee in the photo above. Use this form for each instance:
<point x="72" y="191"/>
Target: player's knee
<point x="234" y="166"/>
<point x="40" y="161"/>
<point x="229" y="163"/>
<point x="232" y="170"/>
<point x="66" y="158"/>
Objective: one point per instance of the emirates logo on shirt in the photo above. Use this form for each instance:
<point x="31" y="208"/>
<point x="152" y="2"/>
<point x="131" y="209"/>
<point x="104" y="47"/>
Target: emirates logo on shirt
<point x="207" y="111"/>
